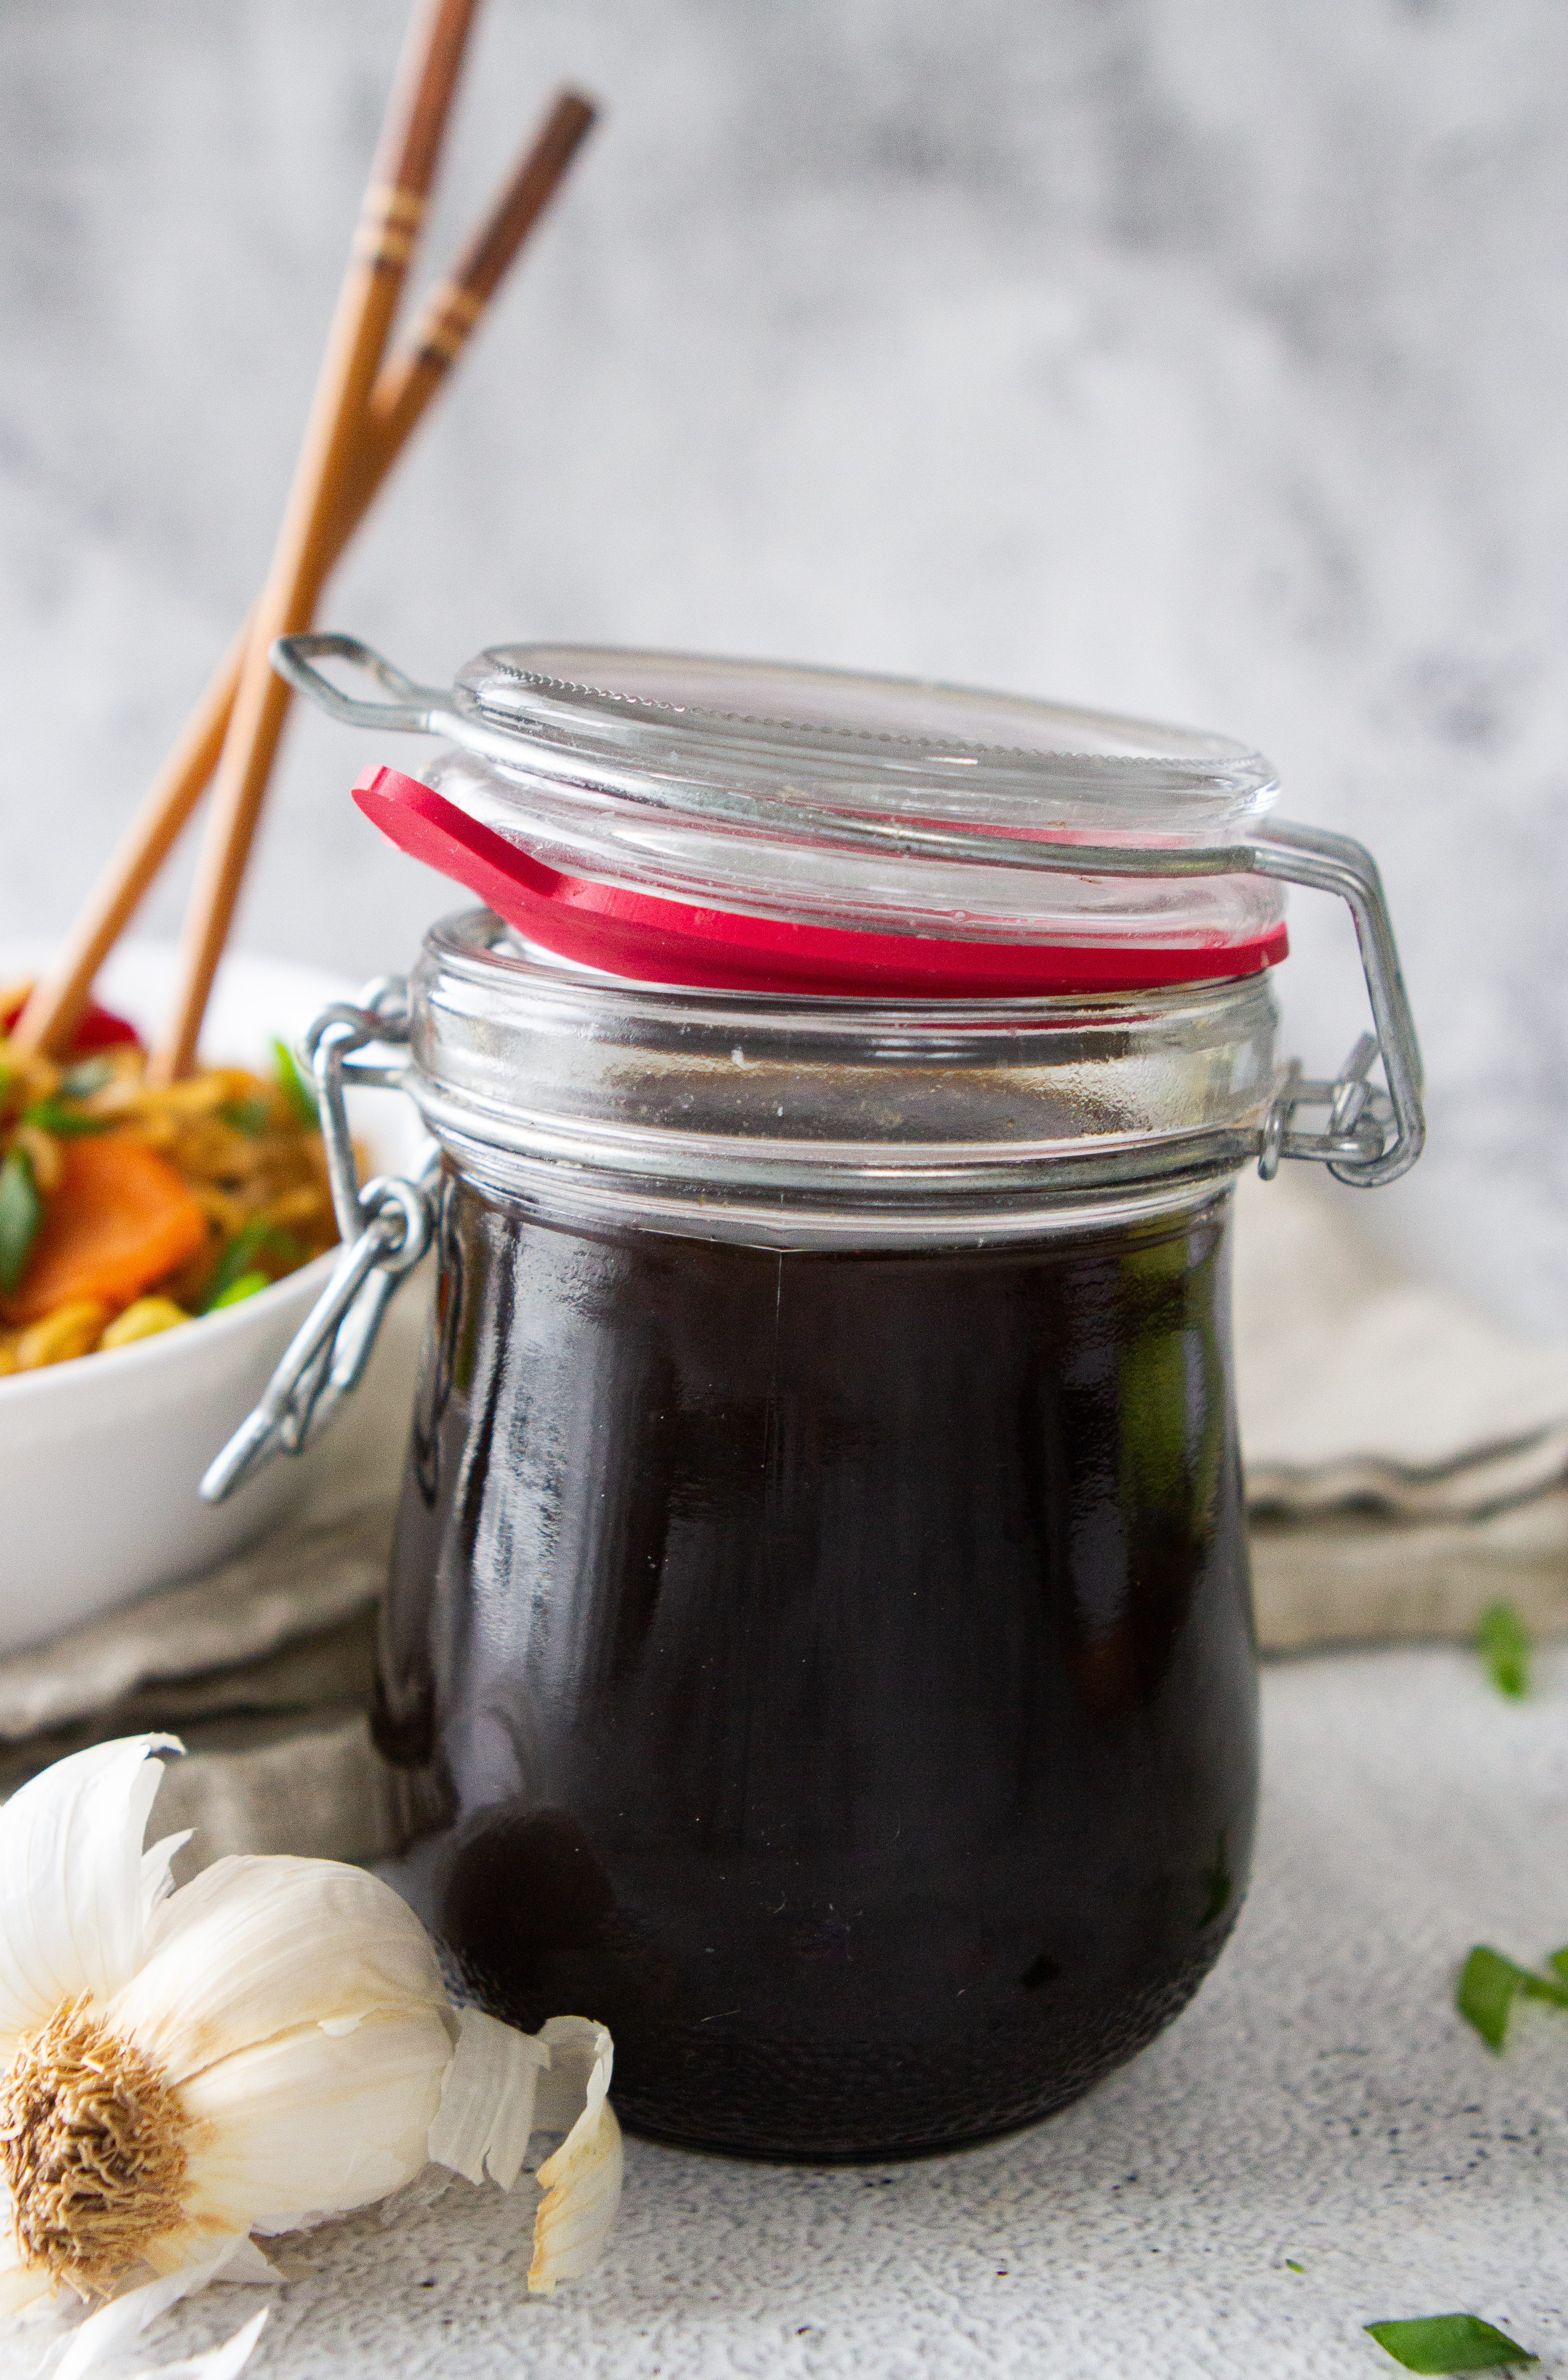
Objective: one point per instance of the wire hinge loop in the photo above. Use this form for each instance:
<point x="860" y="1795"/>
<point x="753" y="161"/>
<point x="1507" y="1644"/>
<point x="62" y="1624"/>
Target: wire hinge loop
<point x="386" y="1226"/>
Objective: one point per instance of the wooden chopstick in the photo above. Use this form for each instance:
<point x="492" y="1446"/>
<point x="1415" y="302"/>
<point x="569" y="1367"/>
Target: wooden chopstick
<point x="389" y="221"/>
<point x="404" y="389"/>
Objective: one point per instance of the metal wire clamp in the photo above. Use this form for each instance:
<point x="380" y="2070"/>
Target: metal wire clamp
<point x="386" y="1225"/>
<point x="1371" y="1136"/>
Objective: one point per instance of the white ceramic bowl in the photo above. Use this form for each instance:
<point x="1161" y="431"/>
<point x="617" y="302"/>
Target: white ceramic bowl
<point x="99" y="1458"/>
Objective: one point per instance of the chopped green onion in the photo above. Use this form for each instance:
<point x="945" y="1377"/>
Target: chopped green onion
<point x="236" y="1259"/>
<point x="239" y="1257"/>
<point x="249" y="1116"/>
<point x="64" y="1123"/>
<point x="1448" y="2342"/>
<point x="244" y="1286"/>
<point x="81" y="1081"/>
<point x="1488" y="1987"/>
<point x="1504" y="1643"/>
<point x="301" y="1095"/>
<point x="21" y="1212"/>
<point x="1292" y="2266"/>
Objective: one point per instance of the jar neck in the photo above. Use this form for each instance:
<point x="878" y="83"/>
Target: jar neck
<point x="788" y="1122"/>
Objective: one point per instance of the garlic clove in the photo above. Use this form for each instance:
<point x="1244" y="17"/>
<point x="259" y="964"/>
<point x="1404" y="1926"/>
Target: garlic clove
<point x="73" y="1908"/>
<point x="258" y="1947"/>
<point x="310" y="2122"/>
<point x="268" y="2046"/>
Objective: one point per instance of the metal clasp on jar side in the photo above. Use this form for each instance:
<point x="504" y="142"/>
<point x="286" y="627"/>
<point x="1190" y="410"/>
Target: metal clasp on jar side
<point x="385" y="1225"/>
<point x="1359" y="1118"/>
<point x="1369" y="1135"/>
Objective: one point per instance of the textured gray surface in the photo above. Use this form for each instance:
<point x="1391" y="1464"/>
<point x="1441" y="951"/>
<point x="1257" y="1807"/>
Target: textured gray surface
<point x="1202" y="359"/>
<point x="1319" y="2101"/>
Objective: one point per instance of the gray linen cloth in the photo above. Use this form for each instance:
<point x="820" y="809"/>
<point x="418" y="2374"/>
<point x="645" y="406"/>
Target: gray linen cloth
<point x="1405" y="1465"/>
<point x="262" y="1669"/>
<point x="1405" y="1458"/>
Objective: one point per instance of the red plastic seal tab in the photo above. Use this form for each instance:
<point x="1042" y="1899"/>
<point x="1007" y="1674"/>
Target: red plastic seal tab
<point x="652" y="939"/>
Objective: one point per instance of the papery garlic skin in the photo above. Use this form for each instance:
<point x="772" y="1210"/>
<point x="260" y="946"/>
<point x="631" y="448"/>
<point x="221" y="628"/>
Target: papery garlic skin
<point x="500" y="2087"/>
<point x="269" y="2045"/>
<point x="76" y="1891"/>
<point x="582" y="2181"/>
<point x="488" y="2096"/>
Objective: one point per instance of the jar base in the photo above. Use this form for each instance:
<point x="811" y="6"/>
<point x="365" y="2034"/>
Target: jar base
<point x="784" y="2105"/>
<point x="914" y="2152"/>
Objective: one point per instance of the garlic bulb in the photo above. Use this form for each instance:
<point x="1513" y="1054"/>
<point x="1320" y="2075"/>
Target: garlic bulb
<point x="268" y="2046"/>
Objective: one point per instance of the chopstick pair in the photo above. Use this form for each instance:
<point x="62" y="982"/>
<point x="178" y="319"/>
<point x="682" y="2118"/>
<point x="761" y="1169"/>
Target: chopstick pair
<point x="357" y="427"/>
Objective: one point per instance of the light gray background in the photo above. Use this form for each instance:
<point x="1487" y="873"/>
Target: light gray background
<point x="1204" y="357"/>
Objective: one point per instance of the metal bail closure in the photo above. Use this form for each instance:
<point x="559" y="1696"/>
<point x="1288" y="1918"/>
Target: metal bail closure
<point x="386" y="1226"/>
<point x="1369" y="1137"/>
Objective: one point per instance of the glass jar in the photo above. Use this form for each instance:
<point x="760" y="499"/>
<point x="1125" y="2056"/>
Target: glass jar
<point x="819" y="1641"/>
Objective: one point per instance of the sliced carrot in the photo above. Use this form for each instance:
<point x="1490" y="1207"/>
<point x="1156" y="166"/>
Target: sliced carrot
<point x="120" y="1220"/>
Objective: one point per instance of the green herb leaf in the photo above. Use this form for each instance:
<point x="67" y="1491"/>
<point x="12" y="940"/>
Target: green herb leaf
<point x="1490" y="1986"/>
<point x="244" y="1286"/>
<point x="21" y="1212"/>
<point x="301" y="1095"/>
<point x="1292" y="2266"/>
<point x="64" y="1123"/>
<point x="1558" y="1961"/>
<point x="250" y="1116"/>
<point x="1504" y="1643"/>
<point x="1448" y="2342"/>
<point x="80" y="1082"/>
<point x="1493" y="1983"/>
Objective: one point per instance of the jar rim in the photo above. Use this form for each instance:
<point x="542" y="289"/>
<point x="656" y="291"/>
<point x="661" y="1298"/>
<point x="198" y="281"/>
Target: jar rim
<point x="480" y="942"/>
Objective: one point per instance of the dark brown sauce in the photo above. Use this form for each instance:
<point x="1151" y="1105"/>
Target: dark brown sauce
<point x="835" y="1670"/>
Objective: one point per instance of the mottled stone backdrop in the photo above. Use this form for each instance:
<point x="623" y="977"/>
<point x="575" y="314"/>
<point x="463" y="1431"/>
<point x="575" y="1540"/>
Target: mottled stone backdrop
<point x="1204" y="357"/>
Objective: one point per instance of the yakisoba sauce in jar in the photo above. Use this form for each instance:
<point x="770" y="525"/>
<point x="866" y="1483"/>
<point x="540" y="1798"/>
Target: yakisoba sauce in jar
<point x="818" y="1642"/>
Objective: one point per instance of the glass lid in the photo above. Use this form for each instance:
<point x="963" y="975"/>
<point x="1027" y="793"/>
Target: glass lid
<point x="702" y="820"/>
<point x="888" y="805"/>
<point x="875" y="747"/>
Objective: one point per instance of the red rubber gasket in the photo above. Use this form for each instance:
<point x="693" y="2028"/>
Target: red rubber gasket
<point x="650" y="939"/>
